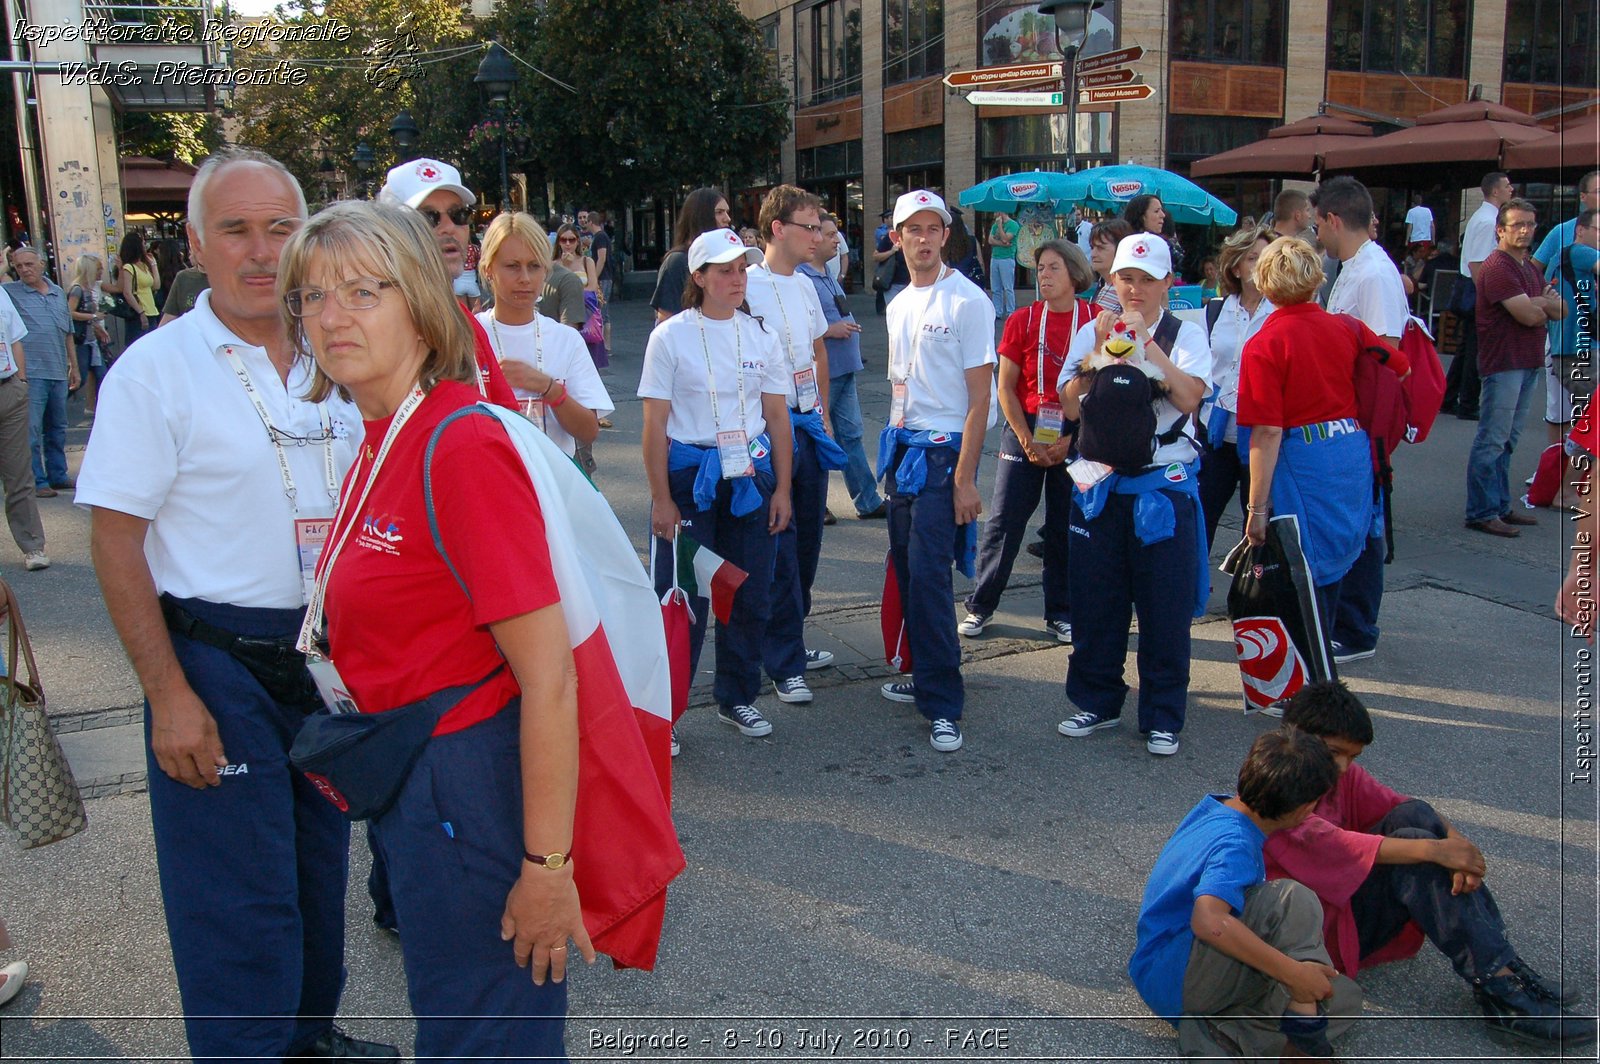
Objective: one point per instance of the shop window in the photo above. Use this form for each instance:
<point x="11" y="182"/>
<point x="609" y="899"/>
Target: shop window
<point x="1229" y="31"/>
<point x="1552" y="41"/>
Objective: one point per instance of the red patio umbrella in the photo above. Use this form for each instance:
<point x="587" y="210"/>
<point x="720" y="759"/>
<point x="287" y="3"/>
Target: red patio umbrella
<point x="1296" y="149"/>
<point x="1572" y="151"/>
<point x="1473" y="132"/>
<point x="155" y="184"/>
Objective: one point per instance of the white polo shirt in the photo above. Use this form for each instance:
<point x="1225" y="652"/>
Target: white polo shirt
<point x="1419" y="224"/>
<point x="11" y="330"/>
<point x="936" y="334"/>
<point x="177" y="441"/>
<point x="558" y="350"/>
<point x="675" y="370"/>
<point x="1191" y="353"/>
<point x="789" y="308"/>
<point x="1478" y="241"/>
<point x="1369" y="288"/>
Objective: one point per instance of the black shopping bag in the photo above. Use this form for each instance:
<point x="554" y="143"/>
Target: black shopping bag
<point x="1278" y="632"/>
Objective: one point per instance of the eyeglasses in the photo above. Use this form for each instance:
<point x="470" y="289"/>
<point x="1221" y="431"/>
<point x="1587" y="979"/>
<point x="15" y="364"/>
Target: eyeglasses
<point x="362" y="293"/>
<point x="457" y="215"/>
<point x="1522" y="225"/>
<point x="281" y="438"/>
<point x="808" y="228"/>
<point x="566" y="240"/>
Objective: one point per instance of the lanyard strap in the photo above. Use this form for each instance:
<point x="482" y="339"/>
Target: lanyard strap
<point x="783" y="312"/>
<point x="916" y="339"/>
<point x="330" y="475"/>
<point x="1044" y="316"/>
<point x="711" y="374"/>
<point x="538" y="341"/>
<point x="311" y="627"/>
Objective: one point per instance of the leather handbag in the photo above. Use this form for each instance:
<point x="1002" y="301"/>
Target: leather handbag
<point x="883" y="273"/>
<point x="39" y="799"/>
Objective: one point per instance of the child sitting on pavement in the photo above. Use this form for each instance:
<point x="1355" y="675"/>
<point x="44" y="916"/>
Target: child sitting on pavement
<point x="1235" y="962"/>
<point x="1390" y="870"/>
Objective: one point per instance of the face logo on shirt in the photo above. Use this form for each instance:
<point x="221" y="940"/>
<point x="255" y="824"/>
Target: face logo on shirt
<point x="938" y="330"/>
<point x="379" y="532"/>
<point x="754" y="366"/>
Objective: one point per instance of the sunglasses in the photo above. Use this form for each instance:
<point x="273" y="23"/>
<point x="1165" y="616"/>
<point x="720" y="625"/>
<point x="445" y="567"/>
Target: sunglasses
<point x="567" y="240"/>
<point x="457" y="215"/>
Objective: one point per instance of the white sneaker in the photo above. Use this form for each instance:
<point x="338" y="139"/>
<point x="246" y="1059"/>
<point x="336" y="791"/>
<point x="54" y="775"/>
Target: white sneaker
<point x="818" y="659"/>
<point x="12" y="976"/>
<point x="904" y="691"/>
<point x="974" y="623"/>
<point x="945" y="735"/>
<point x="792" y="690"/>
<point x="1161" y="743"/>
<point x="677" y="747"/>
<point x="36" y="560"/>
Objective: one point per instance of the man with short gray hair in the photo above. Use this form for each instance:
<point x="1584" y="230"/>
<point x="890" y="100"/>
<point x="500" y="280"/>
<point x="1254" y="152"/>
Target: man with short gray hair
<point x="52" y="368"/>
<point x="212" y="481"/>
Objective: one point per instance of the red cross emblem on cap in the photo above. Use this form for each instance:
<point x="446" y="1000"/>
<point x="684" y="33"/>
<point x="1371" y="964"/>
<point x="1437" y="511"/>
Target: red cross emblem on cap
<point x="427" y="173"/>
<point x="922" y="197"/>
<point x="1140" y="249"/>
<point x="734" y="239"/>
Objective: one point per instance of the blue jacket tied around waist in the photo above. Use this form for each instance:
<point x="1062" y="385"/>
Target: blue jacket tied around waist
<point x="912" y="475"/>
<point x="746" y="496"/>
<point x="1154" y="520"/>
<point x="829" y="454"/>
<point x="1324" y="476"/>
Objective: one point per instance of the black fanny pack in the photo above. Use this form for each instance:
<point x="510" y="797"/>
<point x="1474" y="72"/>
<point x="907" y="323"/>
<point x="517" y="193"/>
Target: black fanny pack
<point x="275" y="663"/>
<point x="360" y="761"/>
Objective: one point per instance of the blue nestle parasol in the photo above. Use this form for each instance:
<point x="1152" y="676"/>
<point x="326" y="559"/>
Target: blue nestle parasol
<point x="1013" y="191"/>
<point x="1102" y="188"/>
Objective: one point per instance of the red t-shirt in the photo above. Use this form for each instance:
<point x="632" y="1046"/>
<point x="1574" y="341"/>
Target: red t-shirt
<point x="489" y="372"/>
<point x="399" y="626"/>
<point x="1299" y="368"/>
<point x="1504" y="343"/>
<point x="1020" y="343"/>
<point x="1333" y="852"/>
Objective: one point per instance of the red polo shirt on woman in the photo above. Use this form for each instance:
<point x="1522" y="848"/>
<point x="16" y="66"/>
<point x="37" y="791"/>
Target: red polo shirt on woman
<point x="1299" y="368"/>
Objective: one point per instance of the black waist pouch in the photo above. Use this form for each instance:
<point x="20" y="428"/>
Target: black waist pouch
<point x="360" y="761"/>
<point x="275" y="663"/>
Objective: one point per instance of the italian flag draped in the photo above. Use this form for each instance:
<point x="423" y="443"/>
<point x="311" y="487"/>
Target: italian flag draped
<point x="625" y="849"/>
<point x="705" y="574"/>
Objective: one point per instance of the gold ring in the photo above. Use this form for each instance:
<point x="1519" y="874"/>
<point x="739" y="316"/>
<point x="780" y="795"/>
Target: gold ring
<point x="558" y="949"/>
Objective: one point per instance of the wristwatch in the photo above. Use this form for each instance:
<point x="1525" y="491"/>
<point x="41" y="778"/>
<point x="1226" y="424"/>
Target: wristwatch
<point x="549" y="860"/>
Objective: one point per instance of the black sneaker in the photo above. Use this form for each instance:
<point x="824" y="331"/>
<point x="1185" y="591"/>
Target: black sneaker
<point x="336" y="1045"/>
<point x="1542" y="986"/>
<point x="746" y="719"/>
<point x="1514" y="1009"/>
<point x="1308" y="1034"/>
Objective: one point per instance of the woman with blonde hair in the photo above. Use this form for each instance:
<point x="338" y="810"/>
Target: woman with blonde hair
<point x="479" y="830"/>
<point x="1223" y="472"/>
<point x="88" y="334"/>
<point x="1297" y="419"/>
<point x="557" y="385"/>
<point x="569" y="254"/>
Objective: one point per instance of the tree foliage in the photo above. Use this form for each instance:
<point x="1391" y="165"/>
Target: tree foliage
<point x="184" y="135"/>
<point x="668" y="93"/>
<point x="663" y="93"/>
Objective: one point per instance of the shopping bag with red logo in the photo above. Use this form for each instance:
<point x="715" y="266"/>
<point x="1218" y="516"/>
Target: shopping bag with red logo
<point x="1278" y="633"/>
<point x="677" y="617"/>
<point x="892" y="616"/>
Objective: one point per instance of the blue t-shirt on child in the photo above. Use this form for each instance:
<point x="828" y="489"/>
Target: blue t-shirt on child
<point x="1215" y="851"/>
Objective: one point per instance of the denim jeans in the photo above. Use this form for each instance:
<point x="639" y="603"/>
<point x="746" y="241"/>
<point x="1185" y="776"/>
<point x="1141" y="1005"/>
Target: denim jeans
<point x="922" y="546"/>
<point x="1003" y="286"/>
<point x="1503" y="401"/>
<point x="1467" y="928"/>
<point x="47" y="431"/>
<point x="844" y="411"/>
<point x="1018" y="484"/>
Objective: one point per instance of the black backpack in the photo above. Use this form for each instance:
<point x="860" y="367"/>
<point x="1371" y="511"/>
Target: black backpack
<point x="1117" y="422"/>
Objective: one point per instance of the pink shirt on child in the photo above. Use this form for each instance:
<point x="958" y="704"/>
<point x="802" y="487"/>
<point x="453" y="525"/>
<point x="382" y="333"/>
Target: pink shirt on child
<point x="1333" y="853"/>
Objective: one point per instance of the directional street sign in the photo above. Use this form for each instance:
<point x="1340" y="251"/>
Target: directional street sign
<point x="1106" y="77"/>
<point x="1107" y="60"/>
<point x="1010" y="74"/>
<point x="1119" y="94"/>
<point x="1016" y="99"/>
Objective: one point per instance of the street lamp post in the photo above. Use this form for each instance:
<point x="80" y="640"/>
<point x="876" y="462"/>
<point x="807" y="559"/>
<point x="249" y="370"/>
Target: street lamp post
<point x="497" y="76"/>
<point x="366" y="160"/>
<point x="1072" y="27"/>
<point x="403" y="130"/>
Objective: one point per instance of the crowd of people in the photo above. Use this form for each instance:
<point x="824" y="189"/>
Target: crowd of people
<point x="239" y="565"/>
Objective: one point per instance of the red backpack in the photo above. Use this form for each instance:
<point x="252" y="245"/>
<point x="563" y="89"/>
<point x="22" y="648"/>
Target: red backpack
<point x="1425" y="387"/>
<point x="1381" y="410"/>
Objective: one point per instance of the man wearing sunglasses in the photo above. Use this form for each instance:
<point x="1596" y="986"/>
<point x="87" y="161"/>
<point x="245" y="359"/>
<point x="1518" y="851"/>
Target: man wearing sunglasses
<point x="434" y="190"/>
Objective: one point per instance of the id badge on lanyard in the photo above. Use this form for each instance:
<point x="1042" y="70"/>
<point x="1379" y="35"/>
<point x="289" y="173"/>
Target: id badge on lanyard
<point x="331" y="686"/>
<point x="310" y="536"/>
<point x="897" y="404"/>
<point x="1047" y="426"/>
<point x="805" y="389"/>
<point x="733" y="448"/>
<point x="532" y="408"/>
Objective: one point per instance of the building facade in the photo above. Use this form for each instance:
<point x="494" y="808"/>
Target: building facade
<point x="873" y="117"/>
